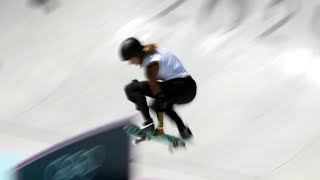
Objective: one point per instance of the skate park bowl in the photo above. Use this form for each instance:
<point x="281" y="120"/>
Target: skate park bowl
<point x="256" y="64"/>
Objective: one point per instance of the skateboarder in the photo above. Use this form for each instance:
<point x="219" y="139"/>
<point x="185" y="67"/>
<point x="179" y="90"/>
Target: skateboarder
<point x="168" y="83"/>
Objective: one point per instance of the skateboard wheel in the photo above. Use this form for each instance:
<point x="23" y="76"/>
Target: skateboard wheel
<point x="175" y="144"/>
<point x="135" y="142"/>
<point x="182" y="144"/>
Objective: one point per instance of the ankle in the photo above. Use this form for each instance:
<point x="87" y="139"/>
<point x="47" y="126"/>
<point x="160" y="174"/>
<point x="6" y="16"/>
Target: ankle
<point x="160" y="125"/>
<point x="159" y="131"/>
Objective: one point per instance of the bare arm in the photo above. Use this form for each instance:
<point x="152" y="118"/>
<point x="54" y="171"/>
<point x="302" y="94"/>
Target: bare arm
<point x="151" y="73"/>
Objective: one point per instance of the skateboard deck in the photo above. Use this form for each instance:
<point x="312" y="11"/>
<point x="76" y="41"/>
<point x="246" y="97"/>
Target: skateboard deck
<point x="139" y="136"/>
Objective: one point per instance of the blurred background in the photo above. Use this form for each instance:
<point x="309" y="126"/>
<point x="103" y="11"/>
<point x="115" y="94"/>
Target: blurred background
<point x="256" y="63"/>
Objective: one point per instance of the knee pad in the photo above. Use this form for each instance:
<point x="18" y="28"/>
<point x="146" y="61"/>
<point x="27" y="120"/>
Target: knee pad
<point x="157" y="107"/>
<point x="132" y="86"/>
<point x="153" y="106"/>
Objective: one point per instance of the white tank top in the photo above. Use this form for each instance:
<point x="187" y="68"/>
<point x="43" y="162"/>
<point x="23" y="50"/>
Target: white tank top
<point x="170" y="66"/>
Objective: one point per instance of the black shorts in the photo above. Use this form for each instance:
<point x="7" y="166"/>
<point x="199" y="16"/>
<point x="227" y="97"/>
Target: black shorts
<point x="179" y="90"/>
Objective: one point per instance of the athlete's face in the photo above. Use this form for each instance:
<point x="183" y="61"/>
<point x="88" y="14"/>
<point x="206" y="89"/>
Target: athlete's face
<point x="135" y="60"/>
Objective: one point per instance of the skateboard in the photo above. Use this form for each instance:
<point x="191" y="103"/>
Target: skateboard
<point x="139" y="136"/>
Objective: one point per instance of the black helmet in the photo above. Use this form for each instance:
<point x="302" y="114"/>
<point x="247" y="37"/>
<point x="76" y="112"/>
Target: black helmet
<point x="130" y="47"/>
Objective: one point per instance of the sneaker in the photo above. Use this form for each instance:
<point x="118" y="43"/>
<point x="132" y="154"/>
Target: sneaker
<point x="186" y="133"/>
<point x="147" y="126"/>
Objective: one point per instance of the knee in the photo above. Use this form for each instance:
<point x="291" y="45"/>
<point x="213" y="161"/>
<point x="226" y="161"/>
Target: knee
<point x="153" y="106"/>
<point x="128" y="89"/>
<point x="161" y="107"/>
<point x="132" y="90"/>
<point x="131" y="87"/>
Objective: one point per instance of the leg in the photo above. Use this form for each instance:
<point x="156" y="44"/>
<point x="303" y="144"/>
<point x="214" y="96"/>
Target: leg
<point x="183" y="91"/>
<point x="159" y="129"/>
<point x="136" y="92"/>
<point x="160" y="115"/>
<point x="175" y="118"/>
<point x="183" y="130"/>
